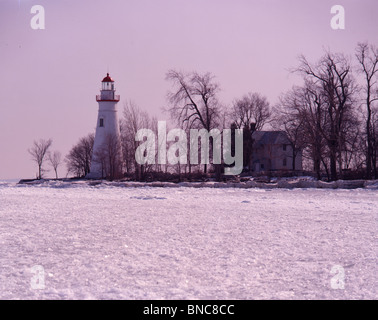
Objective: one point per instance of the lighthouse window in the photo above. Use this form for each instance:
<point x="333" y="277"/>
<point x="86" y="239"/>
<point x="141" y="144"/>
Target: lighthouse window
<point x="101" y="122"/>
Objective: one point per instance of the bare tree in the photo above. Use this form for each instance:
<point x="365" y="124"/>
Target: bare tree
<point x="133" y="120"/>
<point x="350" y="140"/>
<point x="80" y="156"/>
<point x="55" y="159"/>
<point x="109" y="156"/>
<point x="314" y="114"/>
<point x="289" y="119"/>
<point x="251" y="108"/>
<point x="367" y="57"/>
<point x="38" y="152"/>
<point x="250" y="113"/>
<point x="332" y="78"/>
<point x="193" y="101"/>
<point x="302" y="114"/>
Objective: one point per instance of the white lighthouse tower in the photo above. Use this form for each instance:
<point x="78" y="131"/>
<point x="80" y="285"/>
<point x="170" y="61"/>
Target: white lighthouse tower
<point x="107" y="133"/>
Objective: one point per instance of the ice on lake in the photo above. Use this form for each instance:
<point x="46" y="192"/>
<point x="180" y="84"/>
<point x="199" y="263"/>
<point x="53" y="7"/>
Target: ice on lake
<point x="109" y="242"/>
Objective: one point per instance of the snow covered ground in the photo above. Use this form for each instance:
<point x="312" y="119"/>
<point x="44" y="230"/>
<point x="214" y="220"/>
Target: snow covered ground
<point x="112" y="242"/>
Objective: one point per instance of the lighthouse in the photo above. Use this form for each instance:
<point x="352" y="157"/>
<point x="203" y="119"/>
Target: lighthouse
<point x="106" y="157"/>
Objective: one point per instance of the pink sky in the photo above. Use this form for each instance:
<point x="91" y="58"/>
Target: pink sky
<point x="49" y="78"/>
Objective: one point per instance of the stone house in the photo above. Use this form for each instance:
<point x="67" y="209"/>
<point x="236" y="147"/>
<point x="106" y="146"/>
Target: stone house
<point x="272" y="151"/>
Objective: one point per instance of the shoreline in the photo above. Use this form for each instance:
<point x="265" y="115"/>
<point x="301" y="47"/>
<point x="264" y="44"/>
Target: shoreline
<point x="296" y="183"/>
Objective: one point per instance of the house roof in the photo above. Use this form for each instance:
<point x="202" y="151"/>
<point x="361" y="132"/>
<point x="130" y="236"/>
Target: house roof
<point x="269" y="137"/>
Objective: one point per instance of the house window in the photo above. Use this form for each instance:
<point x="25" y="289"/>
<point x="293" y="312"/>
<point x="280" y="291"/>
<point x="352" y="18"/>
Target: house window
<point x="284" y="147"/>
<point x="262" y="166"/>
<point x="284" y="162"/>
<point x="101" y="122"/>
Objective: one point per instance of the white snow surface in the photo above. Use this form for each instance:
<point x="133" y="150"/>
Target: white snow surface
<point x="110" y="242"/>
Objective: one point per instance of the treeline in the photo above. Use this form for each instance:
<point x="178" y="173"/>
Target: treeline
<point x="332" y="119"/>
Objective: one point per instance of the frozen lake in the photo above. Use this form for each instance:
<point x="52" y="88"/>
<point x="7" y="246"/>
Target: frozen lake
<point x="104" y="242"/>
